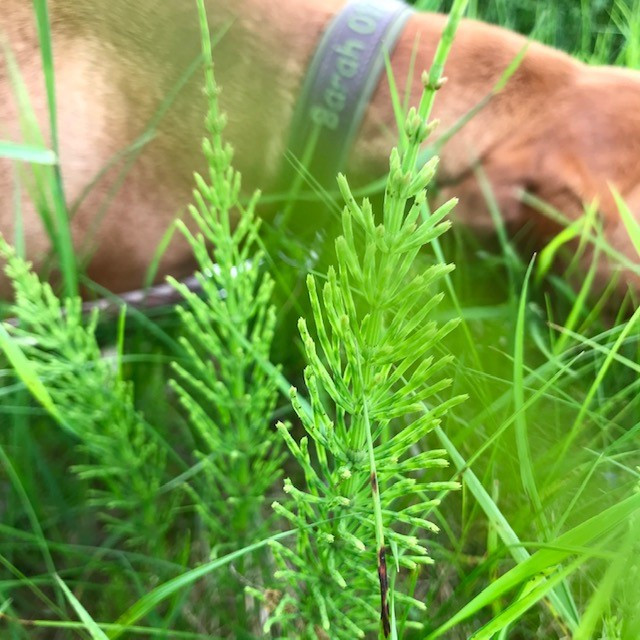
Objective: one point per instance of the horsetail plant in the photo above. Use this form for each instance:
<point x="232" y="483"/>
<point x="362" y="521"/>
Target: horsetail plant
<point x="371" y="371"/>
<point x="54" y="351"/>
<point x="227" y="332"/>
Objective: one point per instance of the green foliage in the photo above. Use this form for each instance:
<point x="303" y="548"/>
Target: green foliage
<point x="604" y="31"/>
<point x="541" y="543"/>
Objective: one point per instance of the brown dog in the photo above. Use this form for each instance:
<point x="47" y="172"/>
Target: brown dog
<point x="560" y="130"/>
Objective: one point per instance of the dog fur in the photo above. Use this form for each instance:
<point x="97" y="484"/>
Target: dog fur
<point x="560" y="130"/>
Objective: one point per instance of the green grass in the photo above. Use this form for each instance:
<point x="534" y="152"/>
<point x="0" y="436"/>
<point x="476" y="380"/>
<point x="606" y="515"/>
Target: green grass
<point x="126" y="500"/>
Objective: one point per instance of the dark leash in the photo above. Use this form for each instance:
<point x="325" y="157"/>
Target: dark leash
<point x="153" y="297"/>
<point x="343" y="74"/>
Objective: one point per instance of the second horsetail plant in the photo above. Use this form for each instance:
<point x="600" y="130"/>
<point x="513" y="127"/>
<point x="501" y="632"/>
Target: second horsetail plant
<point x="371" y="372"/>
<point x="227" y="335"/>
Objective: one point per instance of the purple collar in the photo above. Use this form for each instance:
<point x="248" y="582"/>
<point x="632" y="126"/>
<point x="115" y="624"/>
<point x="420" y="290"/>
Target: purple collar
<point x="340" y="81"/>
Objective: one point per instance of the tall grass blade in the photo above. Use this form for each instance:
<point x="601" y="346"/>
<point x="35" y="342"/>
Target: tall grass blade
<point x="63" y="240"/>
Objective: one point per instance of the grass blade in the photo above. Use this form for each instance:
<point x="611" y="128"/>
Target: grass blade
<point x="539" y="588"/>
<point x="631" y="224"/>
<point x="557" y="552"/>
<point x="26" y="372"/>
<point x="27" y="153"/>
<point x="96" y="632"/>
<point x="522" y="439"/>
<point x="63" y="240"/>
<point x="147" y="603"/>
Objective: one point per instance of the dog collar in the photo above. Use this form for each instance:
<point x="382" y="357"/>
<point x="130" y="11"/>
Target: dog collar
<point x="340" y="81"/>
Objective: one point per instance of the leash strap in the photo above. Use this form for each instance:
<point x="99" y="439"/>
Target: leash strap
<point x="342" y="76"/>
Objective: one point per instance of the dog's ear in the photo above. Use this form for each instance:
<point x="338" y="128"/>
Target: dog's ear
<point x="572" y="185"/>
<point x="532" y="186"/>
<point x="494" y="185"/>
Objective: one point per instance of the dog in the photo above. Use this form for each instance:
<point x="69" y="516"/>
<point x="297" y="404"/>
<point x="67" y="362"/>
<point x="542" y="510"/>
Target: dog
<point x="131" y="111"/>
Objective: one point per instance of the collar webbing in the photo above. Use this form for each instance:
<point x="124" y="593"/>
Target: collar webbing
<point x="342" y="76"/>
